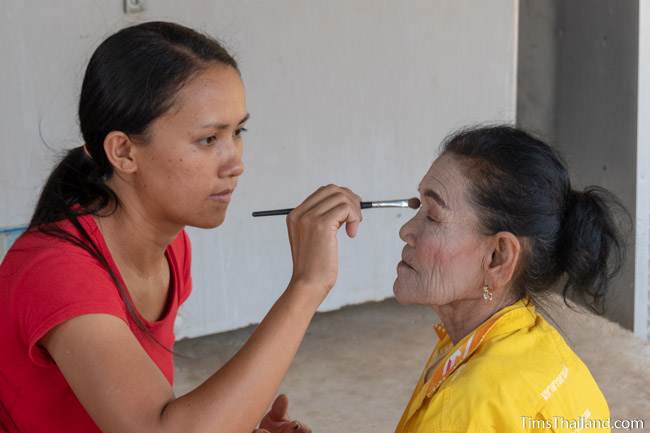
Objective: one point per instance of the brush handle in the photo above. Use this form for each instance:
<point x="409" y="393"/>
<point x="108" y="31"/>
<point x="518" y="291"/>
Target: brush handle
<point x="364" y="205"/>
<point x="272" y="212"/>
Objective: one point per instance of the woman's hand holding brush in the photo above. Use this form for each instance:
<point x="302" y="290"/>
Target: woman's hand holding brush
<point x="312" y="228"/>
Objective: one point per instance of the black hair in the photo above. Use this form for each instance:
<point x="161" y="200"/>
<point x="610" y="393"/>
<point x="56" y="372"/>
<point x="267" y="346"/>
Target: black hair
<point x="520" y="184"/>
<point x="132" y="79"/>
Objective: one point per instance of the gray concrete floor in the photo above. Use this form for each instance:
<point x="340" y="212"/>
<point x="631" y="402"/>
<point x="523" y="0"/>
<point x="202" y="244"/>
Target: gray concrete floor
<point x="357" y="366"/>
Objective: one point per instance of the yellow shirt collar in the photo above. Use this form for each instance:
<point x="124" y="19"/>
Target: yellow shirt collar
<point x="510" y="318"/>
<point x="519" y="315"/>
<point x="516" y="316"/>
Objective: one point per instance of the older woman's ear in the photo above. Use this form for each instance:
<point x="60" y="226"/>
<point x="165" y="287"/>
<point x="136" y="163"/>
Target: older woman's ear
<point x="506" y="253"/>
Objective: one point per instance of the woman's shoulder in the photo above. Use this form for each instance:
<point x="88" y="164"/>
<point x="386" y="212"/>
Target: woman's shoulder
<point x="536" y="360"/>
<point x="527" y="373"/>
<point x="570" y="392"/>
<point x="44" y="247"/>
<point x="42" y="262"/>
<point x="47" y="280"/>
<point x="51" y="272"/>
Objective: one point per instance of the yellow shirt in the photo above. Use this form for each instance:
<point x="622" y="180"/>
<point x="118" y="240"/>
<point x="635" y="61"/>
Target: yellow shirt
<point x="514" y="373"/>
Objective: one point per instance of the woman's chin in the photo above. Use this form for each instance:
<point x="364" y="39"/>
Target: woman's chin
<point x="212" y="222"/>
<point x="399" y="293"/>
<point x="409" y="294"/>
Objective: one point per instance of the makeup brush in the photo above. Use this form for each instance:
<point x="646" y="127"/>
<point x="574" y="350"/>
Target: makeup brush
<point x="412" y="203"/>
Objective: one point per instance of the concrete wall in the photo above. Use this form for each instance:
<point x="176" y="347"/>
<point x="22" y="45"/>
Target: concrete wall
<point x="357" y="93"/>
<point x="578" y="87"/>
<point x="536" y="67"/>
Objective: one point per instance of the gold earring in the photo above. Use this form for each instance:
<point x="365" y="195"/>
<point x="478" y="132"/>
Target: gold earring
<point x="487" y="295"/>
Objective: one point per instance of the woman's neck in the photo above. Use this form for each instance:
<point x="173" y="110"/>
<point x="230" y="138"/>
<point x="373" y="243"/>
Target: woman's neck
<point x="135" y="239"/>
<point x="461" y="317"/>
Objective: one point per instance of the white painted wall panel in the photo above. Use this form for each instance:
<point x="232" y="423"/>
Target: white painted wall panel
<point x="357" y="93"/>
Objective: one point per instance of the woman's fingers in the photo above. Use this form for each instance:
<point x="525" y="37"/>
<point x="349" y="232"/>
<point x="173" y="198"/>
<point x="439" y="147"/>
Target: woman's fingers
<point x="352" y="228"/>
<point x="313" y="199"/>
<point x="277" y="421"/>
<point x="342" y="207"/>
<point x="301" y="428"/>
<point x="285" y="427"/>
<point x="345" y="213"/>
<point x="317" y="198"/>
<point x="352" y="225"/>
<point x="280" y="408"/>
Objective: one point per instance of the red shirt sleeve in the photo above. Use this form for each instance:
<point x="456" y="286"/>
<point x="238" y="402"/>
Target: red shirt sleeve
<point x="186" y="272"/>
<point x="63" y="283"/>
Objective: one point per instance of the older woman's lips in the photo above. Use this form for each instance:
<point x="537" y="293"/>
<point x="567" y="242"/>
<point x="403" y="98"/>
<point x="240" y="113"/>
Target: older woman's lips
<point x="404" y="264"/>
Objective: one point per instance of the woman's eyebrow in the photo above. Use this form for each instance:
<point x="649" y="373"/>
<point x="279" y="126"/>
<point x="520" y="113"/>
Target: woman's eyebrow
<point x="435" y="196"/>
<point x="225" y="125"/>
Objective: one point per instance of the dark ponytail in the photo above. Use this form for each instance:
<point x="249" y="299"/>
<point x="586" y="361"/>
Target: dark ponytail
<point x="77" y="179"/>
<point x="131" y="80"/>
<point x="591" y="247"/>
<point x="519" y="184"/>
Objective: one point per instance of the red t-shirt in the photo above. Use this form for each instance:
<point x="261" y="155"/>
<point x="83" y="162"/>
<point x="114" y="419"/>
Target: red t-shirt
<point x="45" y="281"/>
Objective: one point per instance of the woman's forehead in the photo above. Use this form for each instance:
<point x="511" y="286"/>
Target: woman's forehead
<point x="446" y="178"/>
<point x="215" y="95"/>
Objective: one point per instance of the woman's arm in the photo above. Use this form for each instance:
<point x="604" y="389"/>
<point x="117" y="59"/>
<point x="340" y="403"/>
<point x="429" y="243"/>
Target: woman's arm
<point x="124" y="391"/>
<point x="241" y="391"/>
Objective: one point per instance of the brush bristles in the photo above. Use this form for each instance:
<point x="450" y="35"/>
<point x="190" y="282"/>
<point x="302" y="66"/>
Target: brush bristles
<point x="414" y="203"/>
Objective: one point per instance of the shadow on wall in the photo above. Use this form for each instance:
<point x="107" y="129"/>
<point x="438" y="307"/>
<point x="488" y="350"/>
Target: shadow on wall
<point x="7" y="238"/>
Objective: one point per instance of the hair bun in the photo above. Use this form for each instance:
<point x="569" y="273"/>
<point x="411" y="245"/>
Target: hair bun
<point x="589" y="235"/>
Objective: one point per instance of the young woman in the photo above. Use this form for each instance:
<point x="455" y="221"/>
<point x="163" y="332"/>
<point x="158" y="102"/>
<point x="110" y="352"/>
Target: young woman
<point x="90" y="292"/>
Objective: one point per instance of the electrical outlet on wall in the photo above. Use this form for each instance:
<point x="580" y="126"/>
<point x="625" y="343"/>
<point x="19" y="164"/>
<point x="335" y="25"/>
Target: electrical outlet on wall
<point x="133" y="6"/>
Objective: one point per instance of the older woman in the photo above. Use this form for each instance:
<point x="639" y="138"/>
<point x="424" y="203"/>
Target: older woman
<point x="500" y="224"/>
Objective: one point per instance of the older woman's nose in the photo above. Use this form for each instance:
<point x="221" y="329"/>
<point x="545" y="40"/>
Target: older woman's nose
<point x="406" y="233"/>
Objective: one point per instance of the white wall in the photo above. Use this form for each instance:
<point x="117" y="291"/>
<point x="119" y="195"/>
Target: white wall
<point x="354" y="92"/>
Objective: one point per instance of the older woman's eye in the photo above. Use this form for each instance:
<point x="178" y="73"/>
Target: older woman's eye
<point x="208" y="141"/>
<point x="432" y="220"/>
<point x="240" y="131"/>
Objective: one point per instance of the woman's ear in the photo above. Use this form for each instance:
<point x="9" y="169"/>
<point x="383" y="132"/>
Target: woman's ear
<point x="506" y="252"/>
<point x="120" y="152"/>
